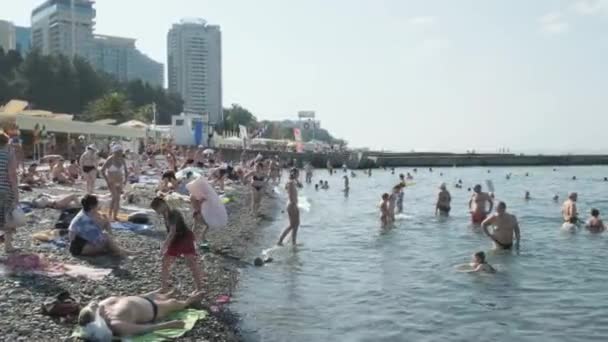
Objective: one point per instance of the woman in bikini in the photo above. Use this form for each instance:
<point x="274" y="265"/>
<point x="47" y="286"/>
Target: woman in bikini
<point x="88" y="161"/>
<point x="259" y="179"/>
<point x="115" y="172"/>
<point x="443" y="201"/>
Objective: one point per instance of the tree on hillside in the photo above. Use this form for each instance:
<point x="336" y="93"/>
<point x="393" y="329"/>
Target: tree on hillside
<point x="112" y="106"/>
<point x="143" y="94"/>
<point x="237" y="115"/>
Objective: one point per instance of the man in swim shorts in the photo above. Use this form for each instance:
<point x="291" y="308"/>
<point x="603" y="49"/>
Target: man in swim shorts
<point x="477" y="205"/>
<point x="569" y="212"/>
<point x="505" y="226"/>
<point x="136" y="315"/>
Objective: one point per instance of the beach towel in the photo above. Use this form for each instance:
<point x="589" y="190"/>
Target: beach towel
<point x="196" y="172"/>
<point x="26" y="207"/>
<point x="134" y="227"/>
<point x="39" y="265"/>
<point x="189" y="316"/>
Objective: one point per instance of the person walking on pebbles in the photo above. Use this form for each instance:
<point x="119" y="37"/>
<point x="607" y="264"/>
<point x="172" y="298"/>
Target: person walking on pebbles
<point x="179" y="242"/>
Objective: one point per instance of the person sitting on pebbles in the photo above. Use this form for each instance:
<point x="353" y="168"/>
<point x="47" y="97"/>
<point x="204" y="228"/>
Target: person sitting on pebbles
<point x="168" y="182"/>
<point x="60" y="175"/>
<point x="89" y="232"/>
<point x="132" y="315"/>
<point x="32" y="177"/>
<point x="74" y="169"/>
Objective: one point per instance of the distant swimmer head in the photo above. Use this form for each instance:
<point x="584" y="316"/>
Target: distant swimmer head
<point x="573" y="196"/>
<point x="316" y="186"/>
<point x="402" y="176"/>
<point x="556" y="198"/>
<point x="605" y="179"/>
<point x="442" y="186"/>
<point x="477" y="188"/>
<point x="479" y="257"/>
<point x="573" y="177"/>
<point x="527" y="195"/>
<point x="595" y="212"/>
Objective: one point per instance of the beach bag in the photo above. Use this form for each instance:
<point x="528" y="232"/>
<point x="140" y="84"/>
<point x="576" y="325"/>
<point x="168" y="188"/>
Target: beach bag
<point x="212" y="209"/>
<point x="16" y="219"/>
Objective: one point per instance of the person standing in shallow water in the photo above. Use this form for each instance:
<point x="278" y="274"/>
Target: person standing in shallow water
<point x="569" y="211"/>
<point x="292" y="208"/>
<point x="506" y="226"/>
<point x="444" y="200"/>
<point x="477" y="205"/>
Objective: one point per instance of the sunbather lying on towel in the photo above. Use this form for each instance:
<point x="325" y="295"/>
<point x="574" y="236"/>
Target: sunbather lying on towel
<point x="132" y="315"/>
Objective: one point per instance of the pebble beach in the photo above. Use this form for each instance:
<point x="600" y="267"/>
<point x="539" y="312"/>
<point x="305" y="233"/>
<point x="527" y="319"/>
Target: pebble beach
<point x="23" y="295"/>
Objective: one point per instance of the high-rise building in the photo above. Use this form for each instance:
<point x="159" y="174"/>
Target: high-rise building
<point x="64" y="27"/>
<point x="146" y="69"/>
<point x="23" y="38"/>
<point x="7" y="35"/>
<point x="120" y="58"/>
<point x="113" y="55"/>
<point x="195" y="67"/>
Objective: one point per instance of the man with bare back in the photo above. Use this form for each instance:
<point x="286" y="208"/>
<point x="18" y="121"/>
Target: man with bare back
<point x="477" y="205"/>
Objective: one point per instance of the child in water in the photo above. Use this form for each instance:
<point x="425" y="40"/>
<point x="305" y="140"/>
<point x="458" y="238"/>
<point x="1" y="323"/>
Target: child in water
<point x="479" y="264"/>
<point x="384" y="212"/>
<point x="595" y="224"/>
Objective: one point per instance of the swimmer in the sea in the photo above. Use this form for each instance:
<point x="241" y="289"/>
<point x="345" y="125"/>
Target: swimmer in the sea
<point x="384" y="212"/>
<point x="505" y="226"/>
<point x="573" y="177"/>
<point x="569" y="212"/>
<point x="317" y="187"/>
<point x="477" y="205"/>
<point x="325" y="185"/>
<point x="479" y="264"/>
<point x="444" y="199"/>
<point x="595" y="224"/>
<point x="555" y="198"/>
<point x="527" y="196"/>
<point x="400" y="196"/>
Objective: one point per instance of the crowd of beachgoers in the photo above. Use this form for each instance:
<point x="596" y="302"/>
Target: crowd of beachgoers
<point x="135" y="244"/>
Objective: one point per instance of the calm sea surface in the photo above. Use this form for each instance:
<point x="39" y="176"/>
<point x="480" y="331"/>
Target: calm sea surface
<point x="351" y="281"/>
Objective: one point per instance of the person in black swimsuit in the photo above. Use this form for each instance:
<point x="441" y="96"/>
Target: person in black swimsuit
<point x="259" y="179"/>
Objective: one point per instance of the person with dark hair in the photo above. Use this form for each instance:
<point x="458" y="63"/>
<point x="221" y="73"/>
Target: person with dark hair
<point x="595" y="224"/>
<point x="384" y="211"/>
<point x="88" y="162"/>
<point x="505" y="226"/>
<point x="179" y="242"/>
<point x="292" y="207"/>
<point x="479" y="264"/>
<point x="89" y="232"/>
<point x="9" y="193"/>
<point x="477" y="205"/>
<point x="259" y="179"/>
<point x="32" y="177"/>
<point x="168" y="182"/>
<point x="444" y="200"/>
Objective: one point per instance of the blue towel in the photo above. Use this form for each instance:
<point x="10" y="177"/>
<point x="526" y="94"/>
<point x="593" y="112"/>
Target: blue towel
<point x="134" y="227"/>
<point x="26" y="207"/>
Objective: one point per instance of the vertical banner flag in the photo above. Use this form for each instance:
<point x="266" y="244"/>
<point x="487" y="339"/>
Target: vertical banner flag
<point x="298" y="137"/>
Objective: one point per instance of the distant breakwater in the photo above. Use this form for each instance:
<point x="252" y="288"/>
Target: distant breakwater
<point x="365" y="160"/>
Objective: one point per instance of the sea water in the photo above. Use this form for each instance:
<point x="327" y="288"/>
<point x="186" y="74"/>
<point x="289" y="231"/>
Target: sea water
<point x="352" y="281"/>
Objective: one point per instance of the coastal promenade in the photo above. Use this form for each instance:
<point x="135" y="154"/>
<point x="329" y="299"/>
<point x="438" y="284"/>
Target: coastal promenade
<point x="364" y="160"/>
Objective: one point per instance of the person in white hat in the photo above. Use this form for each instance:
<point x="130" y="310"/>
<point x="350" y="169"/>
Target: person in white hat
<point x="444" y="200"/>
<point x="115" y="172"/>
<point x="88" y="162"/>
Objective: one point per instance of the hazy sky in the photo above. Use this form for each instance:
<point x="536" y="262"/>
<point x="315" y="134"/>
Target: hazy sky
<point x="401" y="74"/>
